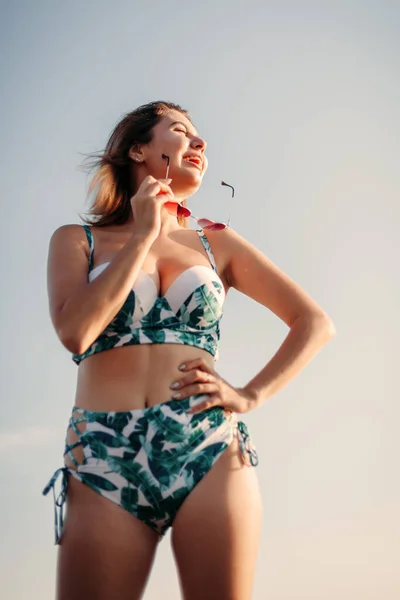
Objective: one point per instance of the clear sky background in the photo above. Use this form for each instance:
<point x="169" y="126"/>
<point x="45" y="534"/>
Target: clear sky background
<point x="300" y="105"/>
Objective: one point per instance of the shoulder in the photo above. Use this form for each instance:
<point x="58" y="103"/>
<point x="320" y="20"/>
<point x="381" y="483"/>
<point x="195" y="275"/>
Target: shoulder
<point x="71" y="235"/>
<point x="224" y="238"/>
<point x="225" y="243"/>
<point x="68" y="231"/>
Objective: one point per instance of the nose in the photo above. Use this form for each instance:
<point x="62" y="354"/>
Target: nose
<point x="198" y="143"/>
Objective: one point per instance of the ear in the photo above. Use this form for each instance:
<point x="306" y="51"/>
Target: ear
<point x="136" y="153"/>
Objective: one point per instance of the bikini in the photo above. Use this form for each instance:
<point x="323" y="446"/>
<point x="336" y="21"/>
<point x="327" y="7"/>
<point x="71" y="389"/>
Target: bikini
<point x="149" y="460"/>
<point x="188" y="313"/>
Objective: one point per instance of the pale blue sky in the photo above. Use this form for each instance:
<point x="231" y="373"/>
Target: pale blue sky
<point x="299" y="103"/>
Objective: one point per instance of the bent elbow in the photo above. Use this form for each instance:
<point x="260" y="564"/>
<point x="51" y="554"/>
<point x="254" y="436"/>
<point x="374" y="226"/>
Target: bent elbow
<point x="72" y="342"/>
<point x="332" y="329"/>
<point x="326" y="325"/>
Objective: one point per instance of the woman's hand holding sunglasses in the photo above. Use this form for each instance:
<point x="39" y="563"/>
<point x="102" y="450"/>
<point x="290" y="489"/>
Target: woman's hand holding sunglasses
<point x="147" y="203"/>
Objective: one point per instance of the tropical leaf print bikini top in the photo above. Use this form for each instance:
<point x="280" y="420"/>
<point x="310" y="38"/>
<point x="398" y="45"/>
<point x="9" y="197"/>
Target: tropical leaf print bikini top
<point x="188" y="313"/>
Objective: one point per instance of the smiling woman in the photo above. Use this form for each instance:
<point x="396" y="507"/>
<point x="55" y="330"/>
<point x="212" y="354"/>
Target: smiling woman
<point x="113" y="176"/>
<point x="154" y="440"/>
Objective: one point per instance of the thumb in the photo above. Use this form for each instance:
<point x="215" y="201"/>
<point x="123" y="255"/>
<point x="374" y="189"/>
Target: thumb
<point x="164" y="187"/>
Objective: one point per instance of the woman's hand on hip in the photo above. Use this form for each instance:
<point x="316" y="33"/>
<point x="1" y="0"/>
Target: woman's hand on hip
<point x="199" y="378"/>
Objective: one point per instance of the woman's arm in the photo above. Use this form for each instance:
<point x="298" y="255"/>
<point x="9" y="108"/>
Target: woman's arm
<point x="79" y="310"/>
<point x="304" y="340"/>
<point x="250" y="272"/>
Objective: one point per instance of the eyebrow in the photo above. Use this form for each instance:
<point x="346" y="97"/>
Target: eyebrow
<point x="185" y="126"/>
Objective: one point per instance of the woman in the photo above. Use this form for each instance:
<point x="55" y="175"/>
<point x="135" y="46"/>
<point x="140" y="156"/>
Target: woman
<point x="154" y="440"/>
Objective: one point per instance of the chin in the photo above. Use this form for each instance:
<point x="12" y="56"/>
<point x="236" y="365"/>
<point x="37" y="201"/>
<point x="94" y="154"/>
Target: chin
<point x="188" y="185"/>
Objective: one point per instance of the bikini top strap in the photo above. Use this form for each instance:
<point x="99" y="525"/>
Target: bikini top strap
<point x="207" y="247"/>
<point x="89" y="236"/>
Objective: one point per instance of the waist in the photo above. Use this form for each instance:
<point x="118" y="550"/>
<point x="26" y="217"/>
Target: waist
<point x="132" y="377"/>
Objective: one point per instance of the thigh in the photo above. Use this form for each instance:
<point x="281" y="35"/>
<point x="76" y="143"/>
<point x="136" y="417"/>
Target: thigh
<point x="105" y="552"/>
<point x="215" y="535"/>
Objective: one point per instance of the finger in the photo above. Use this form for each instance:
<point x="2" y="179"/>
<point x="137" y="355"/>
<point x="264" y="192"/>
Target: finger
<point x="211" y="402"/>
<point x="191" y="377"/>
<point x="147" y="181"/>
<point x="164" y="185"/>
<point x="151" y="189"/>
<point x="197" y="375"/>
<point x="164" y="197"/>
<point x="155" y="187"/>
<point x="199" y="363"/>
<point x="194" y="389"/>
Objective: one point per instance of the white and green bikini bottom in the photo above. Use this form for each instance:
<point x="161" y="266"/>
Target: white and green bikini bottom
<point x="148" y="460"/>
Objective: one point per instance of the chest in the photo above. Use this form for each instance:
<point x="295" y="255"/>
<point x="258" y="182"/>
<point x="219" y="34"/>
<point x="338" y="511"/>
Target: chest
<point x="182" y="256"/>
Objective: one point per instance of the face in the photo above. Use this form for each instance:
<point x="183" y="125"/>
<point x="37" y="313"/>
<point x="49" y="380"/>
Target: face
<point x="175" y="136"/>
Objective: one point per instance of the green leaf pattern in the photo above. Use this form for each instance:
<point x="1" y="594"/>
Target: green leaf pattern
<point x="148" y="460"/>
<point x="196" y="322"/>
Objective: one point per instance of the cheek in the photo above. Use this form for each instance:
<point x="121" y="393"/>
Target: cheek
<point x="172" y="146"/>
<point x="181" y="143"/>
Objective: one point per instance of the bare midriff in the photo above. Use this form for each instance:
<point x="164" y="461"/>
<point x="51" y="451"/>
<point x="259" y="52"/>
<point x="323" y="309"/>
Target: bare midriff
<point x="132" y="377"/>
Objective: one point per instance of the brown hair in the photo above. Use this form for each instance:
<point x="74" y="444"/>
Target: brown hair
<point x="113" y="180"/>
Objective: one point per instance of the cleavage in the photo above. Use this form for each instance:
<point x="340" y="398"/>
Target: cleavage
<point x="163" y="285"/>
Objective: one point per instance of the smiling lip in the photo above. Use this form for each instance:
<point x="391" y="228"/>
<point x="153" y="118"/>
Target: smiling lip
<point x="196" y="163"/>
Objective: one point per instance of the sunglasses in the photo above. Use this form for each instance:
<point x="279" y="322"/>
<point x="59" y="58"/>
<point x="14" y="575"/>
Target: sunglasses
<point x="183" y="211"/>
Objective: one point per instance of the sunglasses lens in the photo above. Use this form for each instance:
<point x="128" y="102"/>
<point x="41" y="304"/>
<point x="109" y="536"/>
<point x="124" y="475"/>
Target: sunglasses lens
<point x="183" y="211"/>
<point x="211" y="225"/>
<point x="205" y="223"/>
<point x="215" y="226"/>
